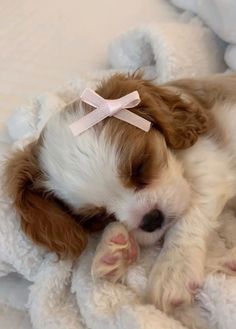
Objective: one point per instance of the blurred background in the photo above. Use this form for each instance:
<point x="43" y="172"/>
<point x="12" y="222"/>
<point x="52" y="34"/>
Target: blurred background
<point x="45" y="43"/>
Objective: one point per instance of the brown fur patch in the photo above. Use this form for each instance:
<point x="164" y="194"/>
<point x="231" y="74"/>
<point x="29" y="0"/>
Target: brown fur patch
<point x="140" y="156"/>
<point x="208" y="91"/>
<point x="43" y="217"/>
<point x="179" y="121"/>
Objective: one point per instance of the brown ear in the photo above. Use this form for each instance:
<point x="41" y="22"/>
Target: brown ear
<point x="177" y="114"/>
<point x="180" y="120"/>
<point x="43" y="218"/>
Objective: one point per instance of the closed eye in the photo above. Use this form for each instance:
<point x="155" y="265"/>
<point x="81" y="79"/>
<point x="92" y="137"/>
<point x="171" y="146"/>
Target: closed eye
<point x="138" y="164"/>
<point x="142" y="171"/>
<point x="93" y="218"/>
<point x="139" y="175"/>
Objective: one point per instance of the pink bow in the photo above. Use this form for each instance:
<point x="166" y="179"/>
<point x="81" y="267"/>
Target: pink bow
<point x="109" y="107"/>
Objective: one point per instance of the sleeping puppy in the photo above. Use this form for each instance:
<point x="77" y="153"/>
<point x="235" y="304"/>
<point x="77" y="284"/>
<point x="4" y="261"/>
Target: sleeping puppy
<point x="176" y="177"/>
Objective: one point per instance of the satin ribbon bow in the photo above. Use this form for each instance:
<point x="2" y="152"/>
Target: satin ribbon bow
<point x="109" y="107"/>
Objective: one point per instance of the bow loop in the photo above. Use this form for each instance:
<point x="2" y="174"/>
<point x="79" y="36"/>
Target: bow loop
<point x="130" y="100"/>
<point x="90" y="97"/>
<point x="109" y="107"/>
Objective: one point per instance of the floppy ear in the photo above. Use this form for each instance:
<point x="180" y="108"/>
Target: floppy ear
<point x="181" y="119"/>
<point x="43" y="218"/>
<point x="178" y="113"/>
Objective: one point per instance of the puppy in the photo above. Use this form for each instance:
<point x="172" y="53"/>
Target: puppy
<point x="176" y="177"/>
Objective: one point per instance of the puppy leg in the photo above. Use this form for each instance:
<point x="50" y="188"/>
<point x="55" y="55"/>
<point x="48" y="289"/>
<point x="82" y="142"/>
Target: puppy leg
<point x="179" y="270"/>
<point x="116" y="250"/>
<point x="180" y="267"/>
<point x="176" y="278"/>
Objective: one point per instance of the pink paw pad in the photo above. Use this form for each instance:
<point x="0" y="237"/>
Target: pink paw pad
<point x="177" y="302"/>
<point x="231" y="265"/>
<point x="109" y="259"/>
<point x="119" y="239"/>
<point x="194" y="286"/>
<point x="115" y="252"/>
<point x="133" y="251"/>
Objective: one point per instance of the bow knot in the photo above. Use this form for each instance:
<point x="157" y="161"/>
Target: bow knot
<point x="109" y="107"/>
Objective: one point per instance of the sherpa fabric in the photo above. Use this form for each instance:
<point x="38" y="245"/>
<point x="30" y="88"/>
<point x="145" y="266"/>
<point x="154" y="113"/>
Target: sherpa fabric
<point x="220" y="16"/>
<point x="169" y="50"/>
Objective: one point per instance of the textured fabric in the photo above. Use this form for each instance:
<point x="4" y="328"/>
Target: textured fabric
<point x="220" y="16"/>
<point x="169" y="50"/>
<point x="44" y="43"/>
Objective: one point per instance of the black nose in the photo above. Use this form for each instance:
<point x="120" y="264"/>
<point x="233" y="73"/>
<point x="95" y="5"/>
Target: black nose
<point x="152" y="221"/>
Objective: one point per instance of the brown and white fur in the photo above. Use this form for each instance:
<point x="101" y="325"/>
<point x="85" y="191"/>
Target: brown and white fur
<point x="64" y="187"/>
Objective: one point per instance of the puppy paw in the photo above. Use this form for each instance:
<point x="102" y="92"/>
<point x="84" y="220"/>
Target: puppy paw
<point x="115" y="252"/>
<point x="174" y="281"/>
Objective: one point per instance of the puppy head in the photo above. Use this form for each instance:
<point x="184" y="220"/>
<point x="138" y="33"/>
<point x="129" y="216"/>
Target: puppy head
<point x="132" y="174"/>
<point x="112" y="170"/>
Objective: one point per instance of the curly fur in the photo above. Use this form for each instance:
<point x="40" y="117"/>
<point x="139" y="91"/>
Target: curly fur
<point x="181" y="121"/>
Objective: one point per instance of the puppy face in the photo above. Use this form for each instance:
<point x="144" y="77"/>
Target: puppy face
<point x="133" y="175"/>
<point x="64" y="187"/>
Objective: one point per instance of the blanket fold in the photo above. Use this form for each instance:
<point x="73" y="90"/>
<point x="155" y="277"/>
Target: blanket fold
<point x="169" y="50"/>
<point x="220" y="16"/>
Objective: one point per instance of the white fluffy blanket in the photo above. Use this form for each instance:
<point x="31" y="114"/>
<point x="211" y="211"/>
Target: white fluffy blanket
<point x="63" y="295"/>
<point x="169" y="50"/>
<point x="220" y="15"/>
